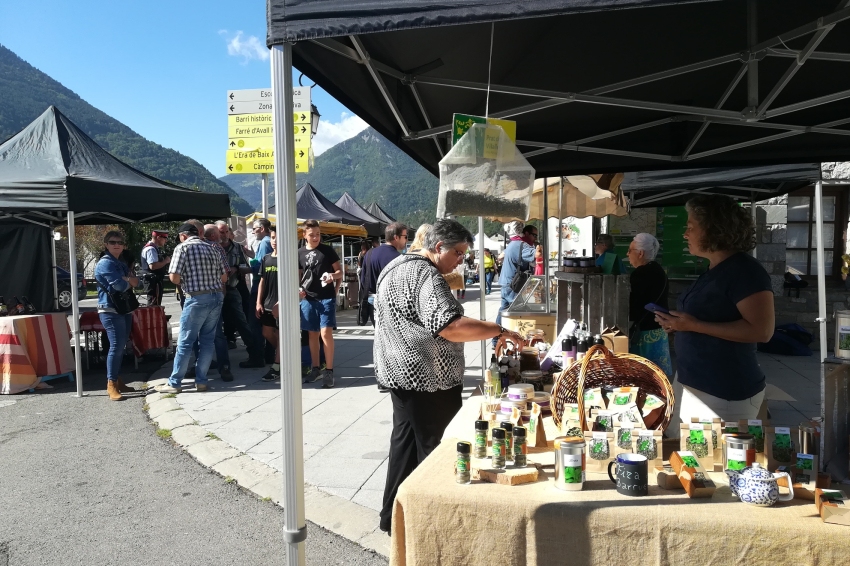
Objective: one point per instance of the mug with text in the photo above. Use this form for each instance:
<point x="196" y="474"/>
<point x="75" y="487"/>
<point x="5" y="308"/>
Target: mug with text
<point x="632" y="474"/>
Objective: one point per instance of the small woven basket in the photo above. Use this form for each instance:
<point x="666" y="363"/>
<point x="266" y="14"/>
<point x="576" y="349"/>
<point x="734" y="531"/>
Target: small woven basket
<point x="602" y="367"/>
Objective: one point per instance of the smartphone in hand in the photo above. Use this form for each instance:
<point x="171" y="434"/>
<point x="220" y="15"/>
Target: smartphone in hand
<point x="652" y="307"/>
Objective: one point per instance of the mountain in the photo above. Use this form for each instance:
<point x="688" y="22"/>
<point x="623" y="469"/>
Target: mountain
<point x="371" y="169"/>
<point x="27" y="92"/>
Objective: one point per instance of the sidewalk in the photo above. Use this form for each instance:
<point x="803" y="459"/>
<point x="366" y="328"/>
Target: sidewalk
<point x="236" y="427"/>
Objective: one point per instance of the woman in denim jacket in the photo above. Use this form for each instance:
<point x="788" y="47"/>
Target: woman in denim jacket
<point x="112" y="274"/>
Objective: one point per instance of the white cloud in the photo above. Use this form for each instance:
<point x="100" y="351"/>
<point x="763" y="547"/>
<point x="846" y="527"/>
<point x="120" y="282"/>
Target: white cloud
<point x="331" y="133"/>
<point x="248" y="48"/>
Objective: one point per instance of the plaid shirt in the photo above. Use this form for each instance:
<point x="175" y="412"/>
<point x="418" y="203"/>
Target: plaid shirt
<point x="199" y="264"/>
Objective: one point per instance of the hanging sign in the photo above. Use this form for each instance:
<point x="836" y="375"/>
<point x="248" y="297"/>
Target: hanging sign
<point x="462" y="122"/>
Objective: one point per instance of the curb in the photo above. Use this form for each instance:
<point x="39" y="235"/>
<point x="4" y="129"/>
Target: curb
<point x="335" y="514"/>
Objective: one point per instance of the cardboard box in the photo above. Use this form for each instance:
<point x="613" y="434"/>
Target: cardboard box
<point x="693" y="477"/>
<point x="833" y="506"/>
<point x="667" y="479"/>
<point x="616" y="340"/>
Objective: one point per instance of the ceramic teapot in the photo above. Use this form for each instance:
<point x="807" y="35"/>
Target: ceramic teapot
<point x="758" y="486"/>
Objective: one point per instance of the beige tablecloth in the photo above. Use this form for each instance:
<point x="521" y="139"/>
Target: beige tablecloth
<point x="436" y="521"/>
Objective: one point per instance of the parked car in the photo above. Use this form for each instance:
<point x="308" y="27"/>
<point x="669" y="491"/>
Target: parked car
<point x="63" y="286"/>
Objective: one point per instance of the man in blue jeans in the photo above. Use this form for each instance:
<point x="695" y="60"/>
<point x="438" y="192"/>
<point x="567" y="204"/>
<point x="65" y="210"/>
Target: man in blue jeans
<point x="200" y="271"/>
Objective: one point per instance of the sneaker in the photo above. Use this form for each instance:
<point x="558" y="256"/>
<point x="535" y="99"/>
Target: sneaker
<point x="201" y="387"/>
<point x="314" y="375"/>
<point x="252" y="363"/>
<point x="225" y="374"/>
<point x="165" y="388"/>
<point x="328" y="379"/>
<point x="272" y="375"/>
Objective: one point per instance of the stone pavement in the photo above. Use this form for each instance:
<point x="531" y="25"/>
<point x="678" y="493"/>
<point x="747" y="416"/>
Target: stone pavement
<point x="235" y="428"/>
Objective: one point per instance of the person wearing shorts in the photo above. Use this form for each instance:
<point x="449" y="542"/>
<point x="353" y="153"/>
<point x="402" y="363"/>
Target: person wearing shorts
<point x="319" y="271"/>
<point x="267" y="303"/>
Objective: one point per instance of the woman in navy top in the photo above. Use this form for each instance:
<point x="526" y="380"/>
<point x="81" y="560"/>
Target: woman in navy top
<point x="113" y="275"/>
<point x="722" y="316"/>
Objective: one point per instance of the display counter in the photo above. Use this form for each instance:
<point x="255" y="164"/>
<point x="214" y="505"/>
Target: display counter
<point x="594" y="298"/>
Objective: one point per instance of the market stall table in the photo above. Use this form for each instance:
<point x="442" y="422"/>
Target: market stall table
<point x="33" y="347"/>
<point x="150" y="330"/>
<point x="437" y="521"/>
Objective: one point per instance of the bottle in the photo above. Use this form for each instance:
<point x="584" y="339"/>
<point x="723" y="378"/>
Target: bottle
<point x="28" y="306"/>
<point x="581" y="350"/>
<point x="573" y="346"/>
<point x="520" y="447"/>
<point x="480" y="446"/>
<point x="497" y="451"/>
<point x="495" y="378"/>
<point x="508" y="427"/>
<point x="598" y="341"/>
<point x="463" y="470"/>
<point x="4" y="311"/>
<point x="19" y="307"/>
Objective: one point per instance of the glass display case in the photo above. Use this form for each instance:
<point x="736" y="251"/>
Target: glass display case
<point x="534" y="298"/>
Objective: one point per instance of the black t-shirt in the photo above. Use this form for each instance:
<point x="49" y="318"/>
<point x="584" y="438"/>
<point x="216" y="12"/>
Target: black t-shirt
<point x="268" y="274"/>
<point x="313" y="264"/>
<point x="649" y="285"/>
<point x="721" y="368"/>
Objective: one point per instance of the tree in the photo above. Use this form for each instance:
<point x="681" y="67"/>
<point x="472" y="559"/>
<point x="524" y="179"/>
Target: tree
<point x="89" y="242"/>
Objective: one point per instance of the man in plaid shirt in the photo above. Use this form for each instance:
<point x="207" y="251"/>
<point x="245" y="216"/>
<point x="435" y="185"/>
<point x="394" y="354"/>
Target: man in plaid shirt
<point x="201" y="272"/>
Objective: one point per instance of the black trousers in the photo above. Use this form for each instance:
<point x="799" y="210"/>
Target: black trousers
<point x="419" y="421"/>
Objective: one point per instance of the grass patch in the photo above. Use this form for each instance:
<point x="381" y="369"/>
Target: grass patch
<point x="169" y="396"/>
<point x="266" y="498"/>
<point x="212" y="436"/>
<point x="163" y="433"/>
<point x="145" y="385"/>
<point x="145" y="407"/>
<point x="229" y="479"/>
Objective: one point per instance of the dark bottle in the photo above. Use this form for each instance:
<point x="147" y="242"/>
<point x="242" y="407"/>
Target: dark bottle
<point x="4" y="311"/>
<point x="598" y="341"/>
<point x="19" y="307"/>
<point x="28" y="306"/>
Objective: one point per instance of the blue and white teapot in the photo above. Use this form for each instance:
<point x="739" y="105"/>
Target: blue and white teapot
<point x="758" y="486"/>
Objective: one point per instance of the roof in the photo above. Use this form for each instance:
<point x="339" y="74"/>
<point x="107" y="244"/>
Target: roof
<point x="52" y="167"/>
<point x="375" y="226"/>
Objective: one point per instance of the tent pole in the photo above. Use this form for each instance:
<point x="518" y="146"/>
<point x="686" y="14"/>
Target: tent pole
<point x="482" y="302"/>
<point x="294" y="525"/>
<point x="342" y="236"/>
<point x="75" y="307"/>
<point x="821" y="269"/>
<point x="544" y="227"/>
<point x="55" y="283"/>
<point x="264" y="183"/>
<point x="560" y="221"/>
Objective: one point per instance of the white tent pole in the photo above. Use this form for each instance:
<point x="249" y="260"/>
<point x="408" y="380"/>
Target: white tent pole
<point x="55" y="283"/>
<point x="544" y="226"/>
<point x="560" y="221"/>
<point x="482" y="302"/>
<point x="75" y="307"/>
<point x="294" y="525"/>
<point x="821" y="269"/>
<point x="264" y="183"/>
<point x="342" y="236"/>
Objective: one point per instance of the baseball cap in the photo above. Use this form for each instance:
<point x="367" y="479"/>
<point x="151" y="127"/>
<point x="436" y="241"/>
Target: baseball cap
<point x="188" y="229"/>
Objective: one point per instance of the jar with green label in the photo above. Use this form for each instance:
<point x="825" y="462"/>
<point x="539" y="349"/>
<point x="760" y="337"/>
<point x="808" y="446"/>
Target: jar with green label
<point x="463" y="469"/>
<point x="479" y="448"/>
<point x="520" y="447"/>
<point x="739" y="451"/>
<point x="509" y="439"/>
<point x="497" y="450"/>
<point x="569" y="463"/>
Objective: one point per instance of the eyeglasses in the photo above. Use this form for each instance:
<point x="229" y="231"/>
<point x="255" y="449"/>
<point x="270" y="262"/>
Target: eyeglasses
<point x="457" y="253"/>
<point x="403" y="236"/>
<point x="115" y="242"/>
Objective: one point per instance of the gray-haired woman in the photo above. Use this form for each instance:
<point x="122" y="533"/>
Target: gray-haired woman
<point x="649" y="285"/>
<point x="418" y="350"/>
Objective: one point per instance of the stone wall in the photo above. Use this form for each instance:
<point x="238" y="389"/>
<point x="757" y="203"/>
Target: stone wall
<point x="771" y="226"/>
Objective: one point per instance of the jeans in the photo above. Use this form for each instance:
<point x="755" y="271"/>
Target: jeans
<point x="201" y="315"/>
<point x="505" y="304"/>
<point x="488" y="281"/>
<point x="234" y="314"/>
<point x="117" y="328"/>
<point x="222" y="356"/>
<point x="255" y="326"/>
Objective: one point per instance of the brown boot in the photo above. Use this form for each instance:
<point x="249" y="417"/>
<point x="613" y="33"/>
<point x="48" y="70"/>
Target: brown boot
<point x="123" y="388"/>
<point x="112" y="391"/>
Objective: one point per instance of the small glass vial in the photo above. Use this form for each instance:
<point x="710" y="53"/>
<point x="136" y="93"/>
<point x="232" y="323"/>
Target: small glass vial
<point x="463" y="470"/>
<point x="497" y="451"/>
<point x="520" y="447"/>
<point x="480" y="446"/>
<point x="509" y="439"/>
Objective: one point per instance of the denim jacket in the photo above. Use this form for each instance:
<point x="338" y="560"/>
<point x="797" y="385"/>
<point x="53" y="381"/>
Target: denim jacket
<point x="109" y="272"/>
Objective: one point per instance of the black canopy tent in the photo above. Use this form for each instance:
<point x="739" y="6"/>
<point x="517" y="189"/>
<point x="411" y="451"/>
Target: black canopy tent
<point x="646" y="84"/>
<point x="375" y="210"/>
<point x="374" y="226"/>
<point x="311" y="204"/>
<point x="52" y="173"/>
<point x="674" y="187"/>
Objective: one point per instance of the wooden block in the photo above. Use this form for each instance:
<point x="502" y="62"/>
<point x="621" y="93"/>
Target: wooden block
<point x="667" y="478"/>
<point x="508" y="476"/>
<point x="695" y="486"/>
<point x="832" y="505"/>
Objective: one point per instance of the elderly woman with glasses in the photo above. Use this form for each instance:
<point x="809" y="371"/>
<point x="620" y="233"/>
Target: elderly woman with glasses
<point x="420" y="331"/>
<point x="648" y="284"/>
<point x="113" y="275"/>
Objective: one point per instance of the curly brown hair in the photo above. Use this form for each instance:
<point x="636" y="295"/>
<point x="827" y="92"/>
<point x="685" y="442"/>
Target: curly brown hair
<point x="726" y="225"/>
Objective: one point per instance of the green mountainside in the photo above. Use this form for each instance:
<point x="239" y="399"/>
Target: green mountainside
<point x="371" y="169"/>
<point x="27" y="92"/>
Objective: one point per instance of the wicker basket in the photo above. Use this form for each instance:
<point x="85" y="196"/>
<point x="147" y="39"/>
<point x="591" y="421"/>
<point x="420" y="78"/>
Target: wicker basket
<point x="602" y="367"/>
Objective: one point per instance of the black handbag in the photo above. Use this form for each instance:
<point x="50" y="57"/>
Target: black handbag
<point x="125" y="302"/>
<point x="518" y="280"/>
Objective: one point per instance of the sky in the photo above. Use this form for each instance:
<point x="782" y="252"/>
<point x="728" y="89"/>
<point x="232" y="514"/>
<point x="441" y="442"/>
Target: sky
<point x="161" y="68"/>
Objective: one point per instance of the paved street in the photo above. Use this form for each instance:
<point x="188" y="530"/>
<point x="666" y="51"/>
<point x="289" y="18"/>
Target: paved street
<point x="87" y="481"/>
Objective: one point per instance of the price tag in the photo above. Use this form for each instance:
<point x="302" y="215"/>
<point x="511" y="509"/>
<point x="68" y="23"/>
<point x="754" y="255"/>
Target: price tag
<point x="783" y="430"/>
<point x="627" y="424"/>
<point x="697" y="426"/>
<point x="644" y="432"/>
<point x="600" y="435"/>
<point x="754" y="422"/>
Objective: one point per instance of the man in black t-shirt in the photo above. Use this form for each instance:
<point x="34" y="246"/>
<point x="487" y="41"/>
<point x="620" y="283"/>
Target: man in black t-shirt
<point x="318" y="270"/>
<point x="267" y="303"/>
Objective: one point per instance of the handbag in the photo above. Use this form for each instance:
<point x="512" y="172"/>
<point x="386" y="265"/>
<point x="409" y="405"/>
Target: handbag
<point x="518" y="280"/>
<point x="124" y="302"/>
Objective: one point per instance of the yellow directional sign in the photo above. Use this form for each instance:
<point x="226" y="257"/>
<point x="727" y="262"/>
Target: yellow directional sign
<point x="254" y="144"/>
<point x="260" y="129"/>
<point x="245" y="162"/>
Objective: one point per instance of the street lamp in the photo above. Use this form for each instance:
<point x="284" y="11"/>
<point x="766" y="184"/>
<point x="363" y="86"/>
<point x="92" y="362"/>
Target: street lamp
<point x="314" y="120"/>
